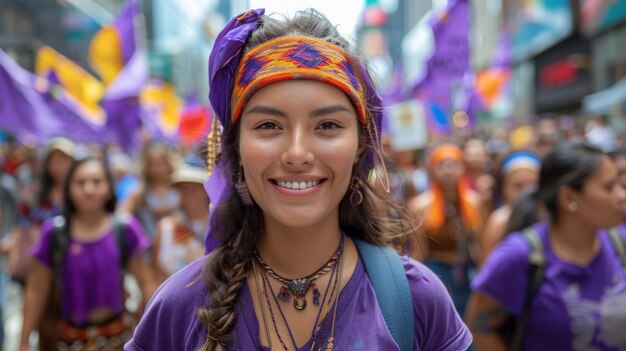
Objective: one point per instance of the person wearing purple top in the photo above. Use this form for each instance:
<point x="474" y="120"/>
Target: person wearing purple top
<point x="581" y="301"/>
<point x="292" y="194"/>
<point x="90" y="273"/>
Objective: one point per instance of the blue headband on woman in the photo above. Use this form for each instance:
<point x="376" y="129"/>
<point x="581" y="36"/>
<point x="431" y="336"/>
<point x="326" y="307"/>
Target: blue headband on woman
<point x="520" y="159"/>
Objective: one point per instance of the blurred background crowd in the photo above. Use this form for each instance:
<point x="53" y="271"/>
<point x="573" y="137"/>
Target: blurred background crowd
<point x="476" y="93"/>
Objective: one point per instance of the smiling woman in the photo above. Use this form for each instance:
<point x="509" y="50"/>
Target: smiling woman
<point x="304" y="134"/>
<point x="299" y="218"/>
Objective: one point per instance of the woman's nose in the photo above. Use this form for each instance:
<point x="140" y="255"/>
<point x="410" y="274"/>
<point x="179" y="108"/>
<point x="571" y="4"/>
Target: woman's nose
<point x="298" y="150"/>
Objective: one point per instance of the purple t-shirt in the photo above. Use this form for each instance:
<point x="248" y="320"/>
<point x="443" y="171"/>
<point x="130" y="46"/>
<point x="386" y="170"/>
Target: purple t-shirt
<point x="170" y="321"/>
<point x="576" y="308"/>
<point x="91" y="272"/>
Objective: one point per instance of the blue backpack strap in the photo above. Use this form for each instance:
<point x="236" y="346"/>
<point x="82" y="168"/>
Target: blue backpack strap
<point x="120" y="223"/>
<point x="387" y="275"/>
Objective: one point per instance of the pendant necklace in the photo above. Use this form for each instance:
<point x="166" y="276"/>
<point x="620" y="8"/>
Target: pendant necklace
<point x="267" y="286"/>
<point x="299" y="287"/>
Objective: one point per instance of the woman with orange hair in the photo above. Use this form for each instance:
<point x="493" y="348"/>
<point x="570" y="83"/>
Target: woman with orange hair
<point x="451" y="219"/>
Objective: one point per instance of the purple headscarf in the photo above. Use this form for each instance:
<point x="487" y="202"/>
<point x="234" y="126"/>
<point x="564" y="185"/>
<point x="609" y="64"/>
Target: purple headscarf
<point x="223" y="61"/>
<point x="225" y="57"/>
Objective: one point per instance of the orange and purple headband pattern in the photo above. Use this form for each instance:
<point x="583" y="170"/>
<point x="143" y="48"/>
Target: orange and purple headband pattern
<point x="297" y="58"/>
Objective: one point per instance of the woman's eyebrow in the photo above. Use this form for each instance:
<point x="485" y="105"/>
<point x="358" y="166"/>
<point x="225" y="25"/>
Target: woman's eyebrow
<point x="266" y="110"/>
<point x="328" y="110"/>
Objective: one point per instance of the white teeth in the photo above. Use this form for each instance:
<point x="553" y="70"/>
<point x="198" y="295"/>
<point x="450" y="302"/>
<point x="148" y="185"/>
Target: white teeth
<point x="297" y="185"/>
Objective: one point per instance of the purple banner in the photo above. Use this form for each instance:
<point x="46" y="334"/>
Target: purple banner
<point x="447" y="66"/>
<point x="35" y="116"/>
<point x="121" y="101"/>
<point x="125" y="26"/>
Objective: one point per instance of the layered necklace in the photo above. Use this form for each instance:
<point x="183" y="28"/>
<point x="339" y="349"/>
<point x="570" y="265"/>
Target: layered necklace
<point x="299" y="288"/>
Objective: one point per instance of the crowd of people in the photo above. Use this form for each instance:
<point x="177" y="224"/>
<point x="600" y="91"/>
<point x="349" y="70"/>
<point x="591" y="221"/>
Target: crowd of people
<point x="77" y="219"/>
<point x="491" y="240"/>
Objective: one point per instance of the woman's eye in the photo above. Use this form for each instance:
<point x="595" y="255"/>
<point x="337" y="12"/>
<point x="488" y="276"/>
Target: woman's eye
<point x="267" y="125"/>
<point x="328" y="125"/>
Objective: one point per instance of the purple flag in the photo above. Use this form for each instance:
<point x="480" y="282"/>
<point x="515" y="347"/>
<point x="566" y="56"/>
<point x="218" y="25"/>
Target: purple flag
<point x="121" y="101"/>
<point x="68" y="111"/>
<point x="22" y="110"/>
<point x="123" y="121"/>
<point x="35" y="115"/>
<point x="125" y="26"/>
<point x="448" y="64"/>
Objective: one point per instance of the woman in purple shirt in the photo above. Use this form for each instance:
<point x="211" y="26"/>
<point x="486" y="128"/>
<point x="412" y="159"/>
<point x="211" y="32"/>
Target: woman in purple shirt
<point x="300" y="140"/>
<point x="580" y="304"/>
<point x="82" y="255"/>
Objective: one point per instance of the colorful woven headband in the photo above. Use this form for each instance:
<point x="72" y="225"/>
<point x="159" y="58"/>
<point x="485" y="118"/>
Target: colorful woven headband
<point x="297" y="58"/>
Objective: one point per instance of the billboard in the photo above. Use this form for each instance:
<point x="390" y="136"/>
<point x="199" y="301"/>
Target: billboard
<point x="537" y="24"/>
<point x="599" y="15"/>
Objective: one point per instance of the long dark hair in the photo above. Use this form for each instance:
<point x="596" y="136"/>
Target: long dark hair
<point x="378" y="219"/>
<point x="569" y="164"/>
<point x="47" y="182"/>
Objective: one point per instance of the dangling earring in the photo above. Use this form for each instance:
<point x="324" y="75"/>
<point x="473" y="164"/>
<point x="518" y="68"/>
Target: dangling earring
<point x="572" y="206"/>
<point x="242" y="189"/>
<point x="356" y="196"/>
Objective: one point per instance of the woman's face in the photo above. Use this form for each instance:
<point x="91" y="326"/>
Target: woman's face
<point x="193" y="195"/>
<point x="58" y="165"/>
<point x="475" y="154"/>
<point x="601" y="201"/>
<point x="298" y="144"/>
<point x="89" y="188"/>
<point x="447" y="172"/>
<point x="517" y="181"/>
<point x="157" y="166"/>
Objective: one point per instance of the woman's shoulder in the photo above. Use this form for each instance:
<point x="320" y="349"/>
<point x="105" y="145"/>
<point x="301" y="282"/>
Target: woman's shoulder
<point x="427" y="290"/>
<point x="170" y="320"/>
<point x="515" y="247"/>
<point x="438" y="326"/>
<point x="185" y="289"/>
<point x="504" y="274"/>
<point x="423" y="283"/>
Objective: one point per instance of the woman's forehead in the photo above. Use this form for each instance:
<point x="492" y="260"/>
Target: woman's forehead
<point x="297" y="94"/>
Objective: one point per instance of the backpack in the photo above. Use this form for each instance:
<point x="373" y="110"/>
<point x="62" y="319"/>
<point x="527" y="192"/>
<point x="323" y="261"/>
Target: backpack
<point x="388" y="278"/>
<point x="537" y="262"/>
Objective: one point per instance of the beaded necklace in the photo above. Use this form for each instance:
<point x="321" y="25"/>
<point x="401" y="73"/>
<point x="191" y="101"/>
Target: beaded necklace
<point x="266" y="285"/>
<point x="300" y="286"/>
<point x="258" y="291"/>
<point x="331" y="340"/>
<point x="321" y="327"/>
<point x="267" y="300"/>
